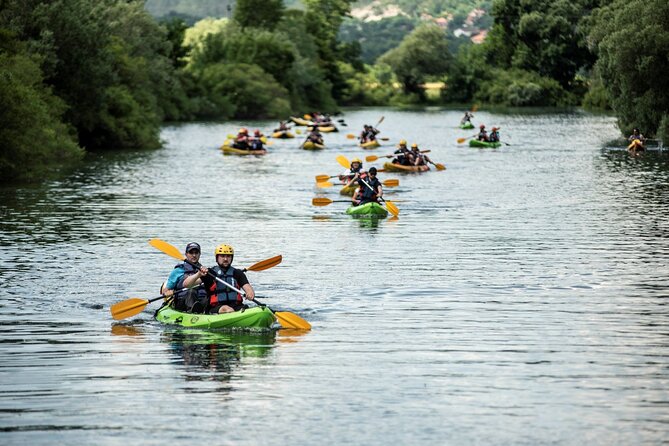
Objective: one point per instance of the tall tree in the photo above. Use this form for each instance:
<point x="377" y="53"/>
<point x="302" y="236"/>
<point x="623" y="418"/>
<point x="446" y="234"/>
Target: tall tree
<point x="632" y="41"/>
<point x="265" y="14"/>
<point x="422" y="53"/>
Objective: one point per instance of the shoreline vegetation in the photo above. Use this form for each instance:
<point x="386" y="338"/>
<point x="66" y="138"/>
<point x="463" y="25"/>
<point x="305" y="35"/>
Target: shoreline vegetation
<point x="84" y="75"/>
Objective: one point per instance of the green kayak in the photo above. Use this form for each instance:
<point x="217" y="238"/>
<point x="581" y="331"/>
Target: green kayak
<point x="256" y="317"/>
<point x="467" y="126"/>
<point x="484" y="144"/>
<point x="368" y="209"/>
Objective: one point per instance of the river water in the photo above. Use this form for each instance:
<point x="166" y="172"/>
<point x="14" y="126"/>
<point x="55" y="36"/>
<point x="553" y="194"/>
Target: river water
<point x="520" y="298"/>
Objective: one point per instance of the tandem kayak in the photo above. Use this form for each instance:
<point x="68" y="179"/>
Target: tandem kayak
<point x="312" y="146"/>
<point x="370" y="144"/>
<point x="636" y="146"/>
<point x="371" y="208"/>
<point x="300" y="121"/>
<point x="283" y="135"/>
<point x="256" y="317"/>
<point x="229" y="150"/>
<point x="484" y="144"/>
<point x="467" y="126"/>
<point x="392" y="167"/>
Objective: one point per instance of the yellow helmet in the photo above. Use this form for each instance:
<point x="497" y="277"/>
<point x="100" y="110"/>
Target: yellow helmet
<point x="356" y="160"/>
<point x="414" y="146"/>
<point x="224" y="250"/>
<point x="403" y="142"/>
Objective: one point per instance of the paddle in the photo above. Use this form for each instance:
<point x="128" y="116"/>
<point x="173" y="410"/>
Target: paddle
<point x="322" y="201"/>
<point x="390" y="207"/>
<point x="461" y="140"/>
<point x="286" y="319"/>
<point x="135" y="305"/>
<point x="372" y="158"/>
<point x="323" y="177"/>
<point x="352" y="136"/>
<point x="391" y="182"/>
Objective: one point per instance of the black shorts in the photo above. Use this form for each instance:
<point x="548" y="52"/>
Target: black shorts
<point x="232" y="304"/>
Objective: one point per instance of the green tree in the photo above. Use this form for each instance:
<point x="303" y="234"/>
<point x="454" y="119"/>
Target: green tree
<point x="33" y="138"/>
<point x="632" y="42"/>
<point x="264" y="14"/>
<point x="422" y="53"/>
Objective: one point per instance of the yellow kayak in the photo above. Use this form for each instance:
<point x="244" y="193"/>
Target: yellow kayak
<point x="391" y="167"/>
<point x="283" y="135"/>
<point x="328" y="129"/>
<point x="228" y="150"/>
<point x="300" y="121"/>
<point x="312" y="146"/>
<point x="370" y="144"/>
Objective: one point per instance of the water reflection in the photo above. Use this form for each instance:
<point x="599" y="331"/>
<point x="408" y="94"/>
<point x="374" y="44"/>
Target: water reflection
<point x="214" y="356"/>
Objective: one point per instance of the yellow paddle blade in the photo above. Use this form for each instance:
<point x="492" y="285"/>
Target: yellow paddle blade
<point x="128" y="307"/>
<point x="322" y="178"/>
<point x="350" y="136"/>
<point x="461" y="140"/>
<point x="165" y="247"/>
<point x="225" y="143"/>
<point x="292" y="320"/>
<point x="307" y="117"/>
<point x="231" y="136"/>
<point x="263" y="139"/>
<point x="475" y="107"/>
<point x="324" y="184"/>
<point x="393" y="182"/>
<point x="371" y="158"/>
<point x="266" y="264"/>
<point x="392" y="208"/>
<point x="440" y="166"/>
<point x="298" y="131"/>
<point x="321" y="201"/>
<point x="343" y="161"/>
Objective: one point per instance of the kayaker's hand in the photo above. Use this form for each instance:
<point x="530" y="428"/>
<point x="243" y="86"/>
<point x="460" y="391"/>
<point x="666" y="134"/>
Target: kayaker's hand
<point x="250" y="295"/>
<point x="203" y="271"/>
<point x="168" y="293"/>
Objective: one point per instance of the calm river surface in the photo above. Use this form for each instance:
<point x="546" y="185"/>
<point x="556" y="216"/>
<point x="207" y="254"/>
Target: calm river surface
<point x="521" y="297"/>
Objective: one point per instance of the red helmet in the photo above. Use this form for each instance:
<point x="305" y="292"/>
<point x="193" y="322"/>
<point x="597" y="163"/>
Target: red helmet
<point x="257" y="132"/>
<point x="482" y="126"/>
<point x="243" y="130"/>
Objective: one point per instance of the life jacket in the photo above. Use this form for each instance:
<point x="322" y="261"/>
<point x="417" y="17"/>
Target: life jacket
<point x="186" y="300"/>
<point x="483" y="135"/>
<point x="219" y="293"/>
<point x="257" y="144"/>
<point x="368" y="194"/>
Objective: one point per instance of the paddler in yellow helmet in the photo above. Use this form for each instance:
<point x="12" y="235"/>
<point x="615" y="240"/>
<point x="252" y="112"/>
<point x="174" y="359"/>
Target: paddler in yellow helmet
<point x="222" y="299"/>
<point x="351" y="175"/>
<point x="403" y="154"/>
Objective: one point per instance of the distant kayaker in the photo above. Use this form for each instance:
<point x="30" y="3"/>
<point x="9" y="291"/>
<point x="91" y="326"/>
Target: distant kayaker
<point x="370" y="189"/>
<point x="241" y="140"/>
<point x="420" y="159"/>
<point x="403" y="153"/>
<point x="256" y="142"/>
<point x="283" y="127"/>
<point x="193" y="300"/>
<point x="637" y="142"/>
<point x="494" y="135"/>
<point x="467" y="118"/>
<point x="351" y="175"/>
<point x="368" y="134"/>
<point x="483" y="135"/>
<point x="222" y="299"/>
<point x="315" y="136"/>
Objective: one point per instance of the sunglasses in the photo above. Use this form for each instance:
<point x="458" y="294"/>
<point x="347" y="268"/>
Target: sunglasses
<point x="193" y="251"/>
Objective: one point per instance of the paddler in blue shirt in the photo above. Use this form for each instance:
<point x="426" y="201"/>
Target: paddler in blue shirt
<point x="192" y="300"/>
<point x="494" y="135"/>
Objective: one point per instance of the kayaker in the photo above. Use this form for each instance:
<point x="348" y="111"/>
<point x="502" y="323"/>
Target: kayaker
<point x="283" y="127"/>
<point x="221" y="298"/>
<point x="404" y="156"/>
<point x="494" y="135"/>
<point x="371" y="191"/>
<point x="420" y="159"/>
<point x="193" y="300"/>
<point x="637" y="142"/>
<point x="256" y="142"/>
<point x="467" y="118"/>
<point x="368" y="134"/>
<point x="483" y="135"/>
<point x="241" y="140"/>
<point x="315" y="136"/>
<point x="350" y="176"/>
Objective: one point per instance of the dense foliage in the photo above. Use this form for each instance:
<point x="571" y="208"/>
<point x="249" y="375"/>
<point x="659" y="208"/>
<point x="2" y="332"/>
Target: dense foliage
<point x="631" y="38"/>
